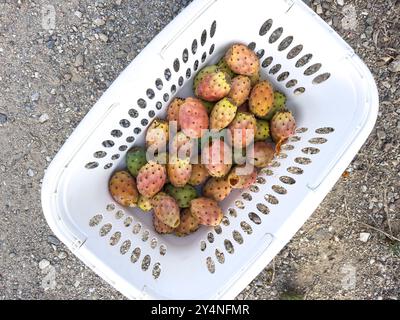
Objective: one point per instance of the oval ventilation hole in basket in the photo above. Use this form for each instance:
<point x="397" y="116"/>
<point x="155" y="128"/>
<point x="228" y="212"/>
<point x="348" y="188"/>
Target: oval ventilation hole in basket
<point x="220" y="256"/>
<point x="145" y="235"/>
<point x="144" y="122"/>
<point x="130" y="139"/>
<point x="146" y="262"/>
<point x="312" y="69"/>
<point x="123" y="148"/>
<point x="275" y="35"/>
<point x="247" y="197"/>
<point x="302" y="160"/>
<point x="194" y="46"/>
<point x="301" y="130"/>
<point x="291" y="83"/>
<point x="188" y="73"/>
<point x="266" y="27"/>
<point x="260" y="53"/>
<point x="237" y="237"/>
<point x="281" y="155"/>
<point x="104" y="230"/>
<point x="271" y="199"/>
<point x="133" y="113"/>
<point x="287" y="180"/>
<point x="181" y="81"/>
<point x="294" y="52"/>
<point x="173" y="89"/>
<point x="203" y="245"/>
<point x="261" y="180"/>
<point x="158" y="105"/>
<point x="136" y="228"/>
<point x="163" y="250"/>
<point x="279" y="189"/>
<point x="299" y="91"/>
<point x="176" y="65"/>
<point x="212" y="48"/>
<point x="125" y="246"/>
<point x="108" y="166"/>
<point x="254" y="189"/>
<point x="210" y="265"/>
<point x="283" y="76"/>
<point x="195" y="65"/>
<point x="153" y="243"/>
<point x="108" y="144"/>
<point x="254" y="217"/>
<point x="262" y="208"/>
<point x="95" y="220"/>
<point x="218" y="229"/>
<point x="232" y="212"/>
<point x="285" y="43"/>
<point x="135" y="255"/>
<point x="203" y="57"/>
<point x="318" y="140"/>
<point x="203" y="37"/>
<point x="275" y="69"/>
<point x="99" y="154"/>
<point x="275" y="164"/>
<point x="141" y="103"/>
<point x="210" y="237"/>
<point x="267" y="172"/>
<point x="229" y="246"/>
<point x="225" y="221"/>
<point x="128" y="221"/>
<point x="239" y="204"/>
<point x="287" y="147"/>
<point x="119" y="214"/>
<point x="304" y="60"/>
<point x="116" y="133"/>
<point x="310" y="150"/>
<point x="325" y="130"/>
<point x="246" y="227"/>
<point x="159" y="84"/>
<point x="252" y="45"/>
<point x="167" y="74"/>
<point x="321" y="78"/>
<point x="294" y="139"/>
<point x="267" y="62"/>
<point x="156" y="270"/>
<point x="295" y="170"/>
<point x="213" y="29"/>
<point x="150" y="93"/>
<point x="110" y="207"/>
<point x="115" y="238"/>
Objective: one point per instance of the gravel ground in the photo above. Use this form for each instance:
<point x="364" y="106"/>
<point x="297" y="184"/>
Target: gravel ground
<point x="48" y="82"/>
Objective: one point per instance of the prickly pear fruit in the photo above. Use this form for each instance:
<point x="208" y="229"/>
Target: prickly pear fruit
<point x="217" y="189"/>
<point x="202" y="73"/>
<point x="193" y="118"/>
<point x="161" y="227"/>
<point x="243" y="128"/>
<point x="217" y="158"/>
<point x="279" y="105"/>
<point x="181" y="145"/>
<point x="209" y="105"/>
<point x="123" y="189"/>
<point x="255" y="78"/>
<point x="189" y="224"/>
<point x="261" y="98"/>
<point x="242" y="177"/>
<point x="240" y="89"/>
<point x="151" y="179"/>
<point x="157" y="134"/>
<point x="173" y="110"/>
<point x="179" y="171"/>
<point x="182" y="195"/>
<point x="144" y="203"/>
<point x="157" y="198"/>
<point x="262" y="132"/>
<point x="223" y="66"/>
<point x="241" y="60"/>
<point x="222" y="114"/>
<point x="283" y="125"/>
<point x="199" y="174"/>
<point x="166" y="209"/>
<point x="213" y="86"/>
<point x="207" y="211"/>
<point x="263" y="154"/>
<point x="135" y="159"/>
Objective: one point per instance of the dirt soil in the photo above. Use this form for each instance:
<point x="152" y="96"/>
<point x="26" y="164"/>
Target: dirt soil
<point x="49" y="81"/>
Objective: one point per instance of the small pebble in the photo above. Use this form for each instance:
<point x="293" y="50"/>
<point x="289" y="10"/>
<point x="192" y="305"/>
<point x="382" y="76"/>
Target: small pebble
<point x="62" y="255"/>
<point x="99" y="22"/>
<point x="35" y="96"/>
<point x="30" y="172"/>
<point x="364" y="236"/>
<point x="103" y="37"/>
<point x="3" y="118"/>
<point x="53" y="240"/>
<point x="78" y="14"/>
<point x="79" y="60"/>
<point x="43" y="118"/>
<point x="395" y="66"/>
<point x="44" y="264"/>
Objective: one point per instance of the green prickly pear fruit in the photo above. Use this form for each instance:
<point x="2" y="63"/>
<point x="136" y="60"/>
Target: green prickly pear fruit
<point x="223" y="66"/>
<point x="214" y="86"/>
<point x="135" y="159"/>
<point x="279" y="105"/>
<point x="202" y="73"/>
<point x="222" y="114"/>
<point x="182" y="195"/>
<point x="262" y="132"/>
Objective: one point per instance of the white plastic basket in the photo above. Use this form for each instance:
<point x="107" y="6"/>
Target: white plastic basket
<point x="330" y="91"/>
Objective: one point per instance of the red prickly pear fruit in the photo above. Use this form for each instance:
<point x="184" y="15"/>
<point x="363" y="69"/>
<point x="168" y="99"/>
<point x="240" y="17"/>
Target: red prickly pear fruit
<point x="179" y="171"/>
<point x="151" y="179"/>
<point x="240" y="178"/>
<point x="199" y="174"/>
<point x="263" y="154"/>
<point x="240" y="89"/>
<point x="243" y="129"/>
<point x="279" y="105"/>
<point x="241" y="60"/>
<point x="222" y="114"/>
<point x="202" y="73"/>
<point x="283" y="125"/>
<point x="217" y="158"/>
<point x="157" y="134"/>
<point x="189" y="224"/>
<point x="193" y="118"/>
<point x="161" y="227"/>
<point x="181" y="145"/>
<point x="217" y="189"/>
<point x="213" y="86"/>
<point x="207" y="211"/>
<point x="261" y="99"/>
<point x="123" y="189"/>
<point x="173" y="110"/>
<point x="166" y="209"/>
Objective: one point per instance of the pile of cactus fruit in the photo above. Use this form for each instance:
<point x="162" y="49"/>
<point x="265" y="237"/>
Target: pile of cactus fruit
<point x="207" y="146"/>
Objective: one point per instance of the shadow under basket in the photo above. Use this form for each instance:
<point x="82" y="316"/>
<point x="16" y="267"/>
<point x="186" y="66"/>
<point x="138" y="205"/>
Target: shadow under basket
<point x="334" y="100"/>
